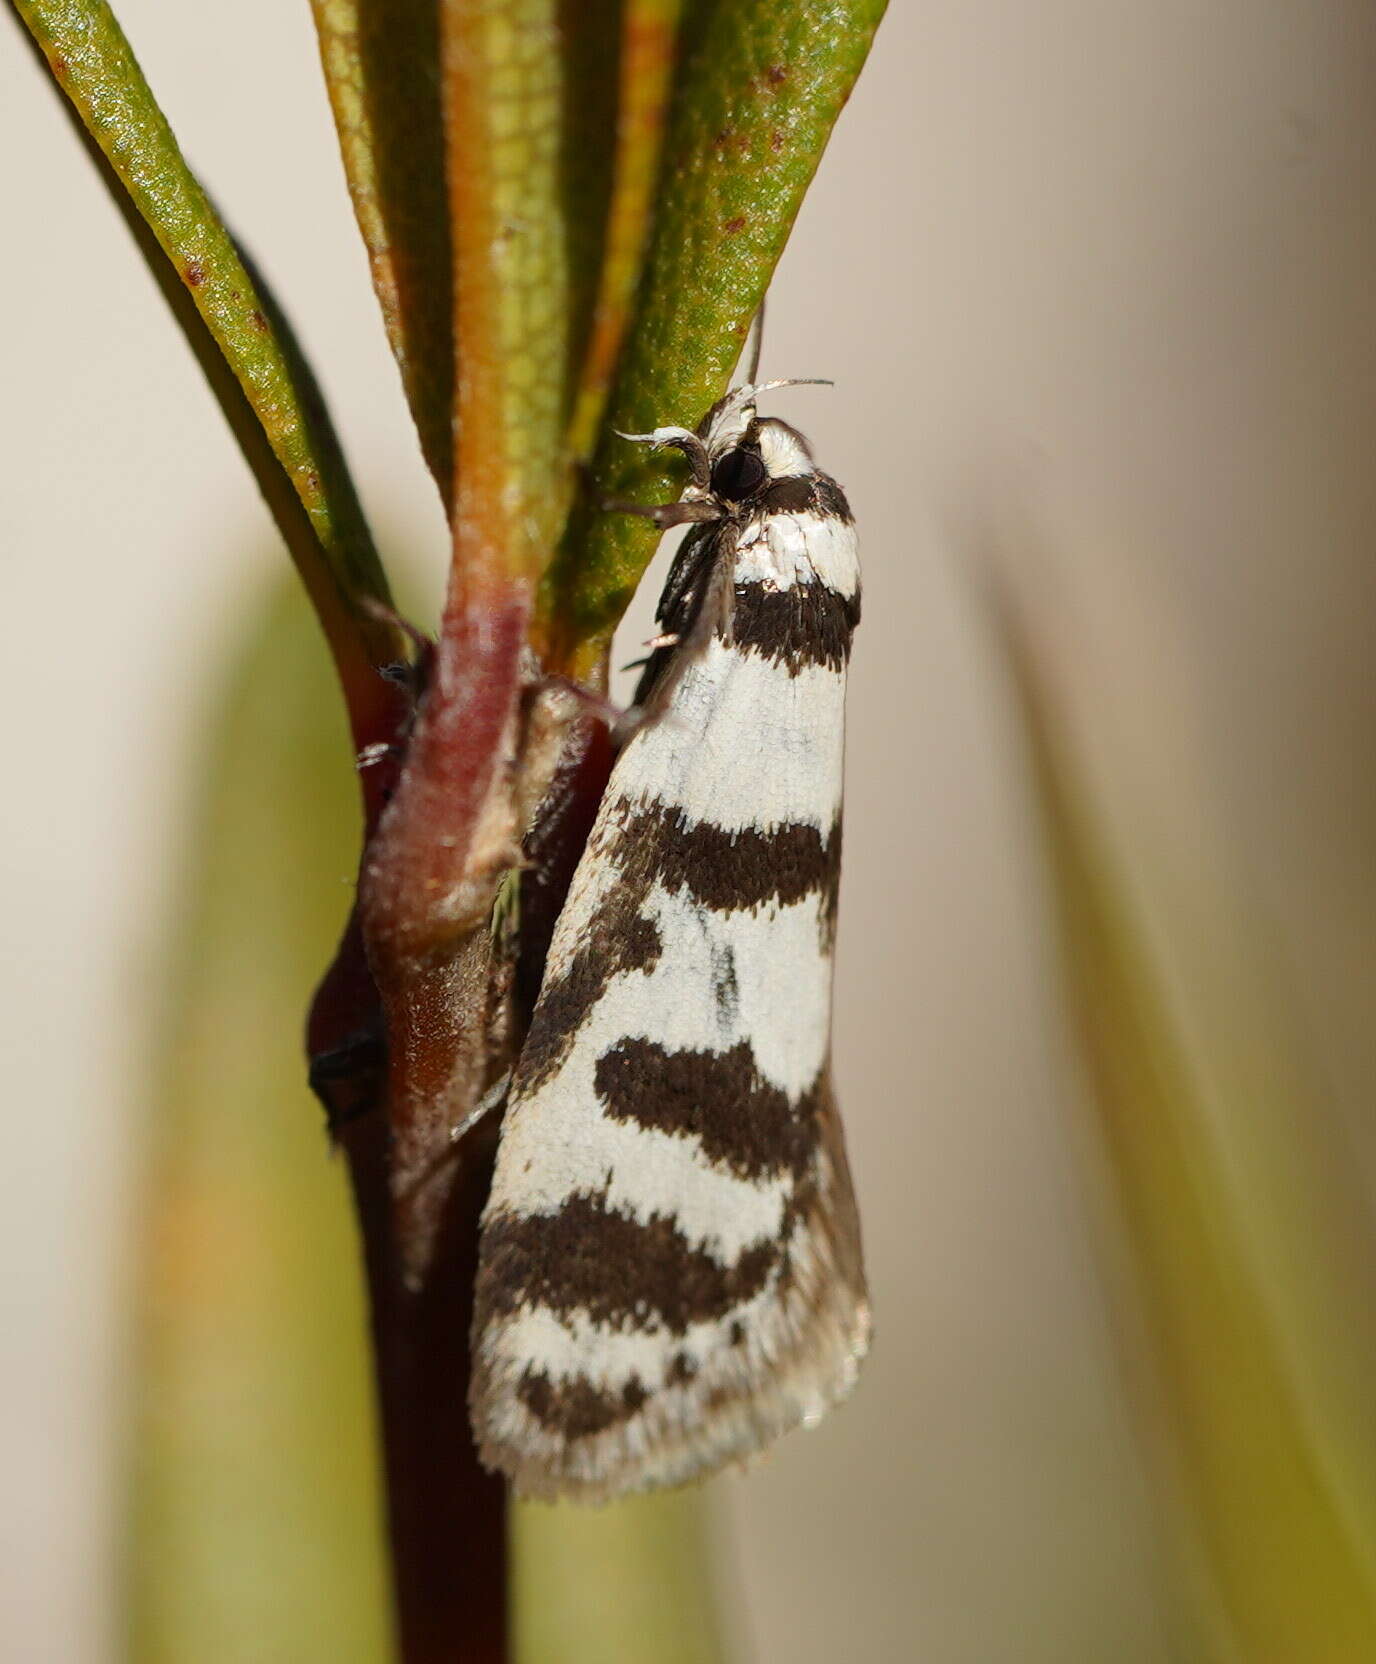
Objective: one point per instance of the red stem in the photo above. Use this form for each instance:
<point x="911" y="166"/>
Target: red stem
<point x="446" y="1515"/>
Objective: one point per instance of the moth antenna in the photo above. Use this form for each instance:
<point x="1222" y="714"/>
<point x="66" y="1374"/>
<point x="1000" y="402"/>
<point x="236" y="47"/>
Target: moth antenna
<point x="752" y="390"/>
<point x="659" y="438"/>
<point x="755" y="344"/>
<point x="793" y="381"/>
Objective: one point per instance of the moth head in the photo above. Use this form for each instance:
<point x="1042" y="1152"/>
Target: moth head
<point x="747" y="453"/>
<point x="768" y="450"/>
<point x="735" y="455"/>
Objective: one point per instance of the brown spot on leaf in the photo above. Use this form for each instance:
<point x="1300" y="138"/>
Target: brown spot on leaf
<point x="194" y="273"/>
<point x="258" y="321"/>
<point x="776" y="74"/>
<point x="734" y="224"/>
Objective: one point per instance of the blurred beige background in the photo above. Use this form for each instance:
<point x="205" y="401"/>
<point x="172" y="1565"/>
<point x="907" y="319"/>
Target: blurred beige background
<point x="1095" y="283"/>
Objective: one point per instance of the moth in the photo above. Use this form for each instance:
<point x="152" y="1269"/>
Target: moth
<point x="670" y="1273"/>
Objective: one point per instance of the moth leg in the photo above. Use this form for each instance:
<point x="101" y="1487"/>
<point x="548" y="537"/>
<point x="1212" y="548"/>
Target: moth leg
<point x="493" y="1098"/>
<point x="655" y="643"/>
<point x="664" y="515"/>
<point x="372" y="755"/>
<point x="710" y="614"/>
<point x="593" y="704"/>
<point x="408" y="675"/>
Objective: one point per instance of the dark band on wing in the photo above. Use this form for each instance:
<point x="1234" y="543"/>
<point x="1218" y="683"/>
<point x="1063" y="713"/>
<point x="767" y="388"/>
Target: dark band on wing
<point x="621" y="939"/>
<point x="800" y="627"/>
<point x="575" y="1407"/>
<point x="612" y="1268"/>
<point x="806" y="494"/>
<point x="741" y="1120"/>
<point x="731" y="871"/>
<point x="726" y="871"/>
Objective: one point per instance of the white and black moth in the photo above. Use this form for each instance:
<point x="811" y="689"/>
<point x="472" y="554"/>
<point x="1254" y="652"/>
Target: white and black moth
<point x="670" y="1271"/>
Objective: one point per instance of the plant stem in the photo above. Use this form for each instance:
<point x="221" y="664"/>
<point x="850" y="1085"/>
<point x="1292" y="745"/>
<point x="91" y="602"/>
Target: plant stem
<point x="446" y="1516"/>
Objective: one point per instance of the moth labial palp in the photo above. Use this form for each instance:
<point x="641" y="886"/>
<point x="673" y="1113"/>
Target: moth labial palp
<point x="670" y="1273"/>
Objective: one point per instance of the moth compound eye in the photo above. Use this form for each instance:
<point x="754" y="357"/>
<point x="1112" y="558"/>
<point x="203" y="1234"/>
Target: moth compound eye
<point x="737" y="474"/>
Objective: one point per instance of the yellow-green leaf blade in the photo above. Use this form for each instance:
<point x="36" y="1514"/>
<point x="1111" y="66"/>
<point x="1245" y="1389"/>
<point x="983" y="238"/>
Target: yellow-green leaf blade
<point x="381" y="64"/>
<point x="254" y="1503"/>
<point x="755" y="104"/>
<point x="1286" y="1555"/>
<point x="503" y="91"/>
<point x="620" y="1584"/>
<point x="649" y="30"/>
<point x="95" y="66"/>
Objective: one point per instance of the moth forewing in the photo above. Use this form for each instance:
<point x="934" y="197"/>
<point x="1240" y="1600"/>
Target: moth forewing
<point x="670" y="1272"/>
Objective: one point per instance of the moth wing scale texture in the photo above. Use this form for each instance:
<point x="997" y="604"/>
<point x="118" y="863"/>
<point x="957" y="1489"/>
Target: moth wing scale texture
<point x="670" y="1271"/>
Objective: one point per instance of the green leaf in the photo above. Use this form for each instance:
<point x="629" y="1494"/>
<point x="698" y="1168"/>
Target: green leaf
<point x="381" y="63"/>
<point x="254" y="1494"/>
<point x="1267" y="1496"/>
<point x="92" y="62"/>
<point x="755" y="105"/>
<point x="503" y="96"/>
<point x="620" y="1584"/>
<point x="430" y="879"/>
<point x="649" y="37"/>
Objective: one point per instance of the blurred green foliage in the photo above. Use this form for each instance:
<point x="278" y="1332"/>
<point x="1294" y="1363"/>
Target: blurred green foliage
<point x="1203" y="1138"/>
<point x="256" y="1529"/>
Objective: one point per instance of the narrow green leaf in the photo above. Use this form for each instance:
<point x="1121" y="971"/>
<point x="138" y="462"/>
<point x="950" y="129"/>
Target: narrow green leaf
<point x="755" y="105"/>
<point x="92" y="62"/>
<point x="503" y="96"/>
<point x="254" y="1498"/>
<point x="503" y="90"/>
<point x="640" y="107"/>
<point x="381" y="63"/>
<point x="592" y="53"/>
<point x="1287" y="1557"/>
<point x="622" y="1584"/>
